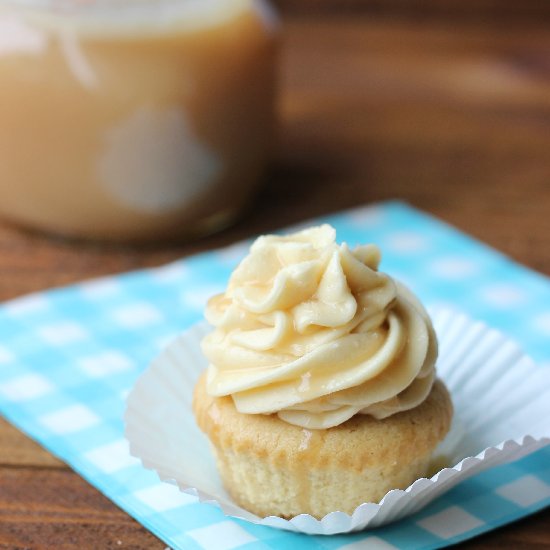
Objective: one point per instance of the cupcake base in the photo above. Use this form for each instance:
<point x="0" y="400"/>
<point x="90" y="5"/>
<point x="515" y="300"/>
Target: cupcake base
<point x="271" y="467"/>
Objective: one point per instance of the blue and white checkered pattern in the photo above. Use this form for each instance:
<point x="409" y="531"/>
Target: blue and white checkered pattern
<point x="68" y="358"/>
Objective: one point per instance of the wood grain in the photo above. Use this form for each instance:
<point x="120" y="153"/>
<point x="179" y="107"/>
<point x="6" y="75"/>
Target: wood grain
<point x="489" y="11"/>
<point x="450" y="115"/>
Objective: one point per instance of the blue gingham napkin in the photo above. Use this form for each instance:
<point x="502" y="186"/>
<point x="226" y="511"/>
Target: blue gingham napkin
<point x="68" y="358"/>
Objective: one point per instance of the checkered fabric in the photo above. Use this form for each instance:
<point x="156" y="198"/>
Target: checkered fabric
<point x="68" y="358"/>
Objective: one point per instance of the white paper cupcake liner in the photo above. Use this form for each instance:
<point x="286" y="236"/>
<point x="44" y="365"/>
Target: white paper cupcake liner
<point x="502" y="407"/>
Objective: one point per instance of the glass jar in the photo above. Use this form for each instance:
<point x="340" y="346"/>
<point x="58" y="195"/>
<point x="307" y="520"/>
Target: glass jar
<point x="134" y="119"/>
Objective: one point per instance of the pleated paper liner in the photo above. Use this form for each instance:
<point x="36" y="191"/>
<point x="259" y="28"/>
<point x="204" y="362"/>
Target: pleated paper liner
<point x="502" y="407"/>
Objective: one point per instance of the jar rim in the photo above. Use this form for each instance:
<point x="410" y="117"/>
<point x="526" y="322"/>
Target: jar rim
<point x="70" y="6"/>
<point x="76" y="8"/>
<point x="107" y="16"/>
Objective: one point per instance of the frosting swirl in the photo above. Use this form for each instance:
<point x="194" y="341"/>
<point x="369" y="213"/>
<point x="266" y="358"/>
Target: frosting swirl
<point x="312" y="331"/>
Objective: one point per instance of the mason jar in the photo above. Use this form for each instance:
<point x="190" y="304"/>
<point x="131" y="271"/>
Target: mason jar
<point x="134" y="119"/>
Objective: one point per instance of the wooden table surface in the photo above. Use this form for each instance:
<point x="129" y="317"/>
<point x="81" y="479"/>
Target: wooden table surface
<point x="452" y="115"/>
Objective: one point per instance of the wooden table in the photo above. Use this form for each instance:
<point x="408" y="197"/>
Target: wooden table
<point x="449" y="114"/>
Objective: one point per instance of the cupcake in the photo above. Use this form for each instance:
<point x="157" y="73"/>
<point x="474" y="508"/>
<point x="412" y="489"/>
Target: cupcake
<point x="321" y="392"/>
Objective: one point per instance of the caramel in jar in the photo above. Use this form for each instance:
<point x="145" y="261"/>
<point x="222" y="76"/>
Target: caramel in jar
<point x="134" y="119"/>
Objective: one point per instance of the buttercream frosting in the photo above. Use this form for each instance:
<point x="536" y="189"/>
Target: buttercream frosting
<point x="310" y="330"/>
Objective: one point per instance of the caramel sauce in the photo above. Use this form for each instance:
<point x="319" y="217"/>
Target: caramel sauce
<point x="137" y="125"/>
